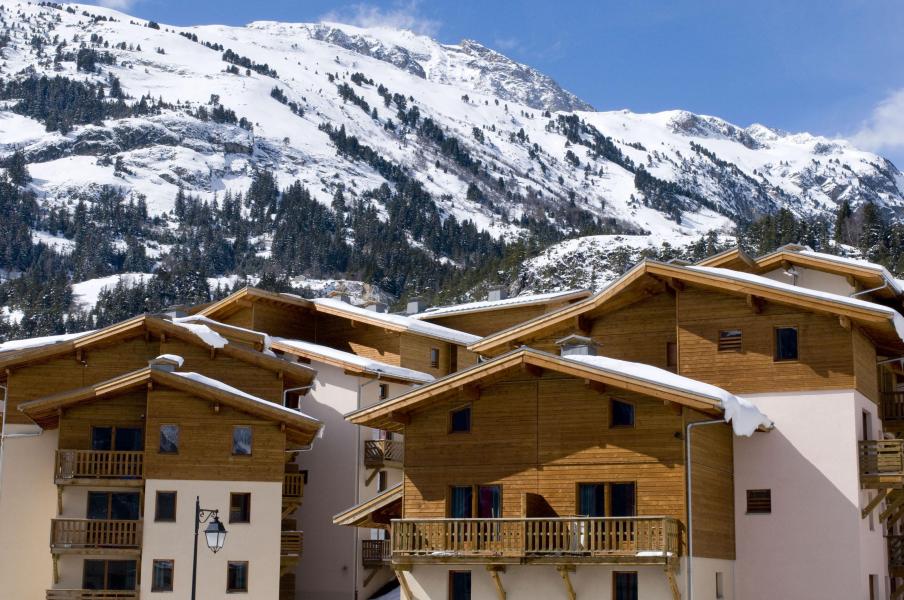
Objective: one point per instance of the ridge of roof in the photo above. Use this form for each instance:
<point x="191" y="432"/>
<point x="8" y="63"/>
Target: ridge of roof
<point x="486" y="305"/>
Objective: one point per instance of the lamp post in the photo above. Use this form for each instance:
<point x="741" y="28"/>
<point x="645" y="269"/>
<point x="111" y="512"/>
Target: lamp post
<point x="214" y="533"/>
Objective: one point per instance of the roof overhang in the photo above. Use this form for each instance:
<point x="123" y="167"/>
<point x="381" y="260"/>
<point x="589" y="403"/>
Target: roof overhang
<point x="349" y="367"/>
<point x="454" y="311"/>
<point x="247" y="296"/>
<point x="376" y="513"/>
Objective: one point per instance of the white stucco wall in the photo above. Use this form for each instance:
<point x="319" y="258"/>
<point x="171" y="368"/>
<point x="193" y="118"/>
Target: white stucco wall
<point x="256" y="542"/>
<point x="807" y="548"/>
<point x="814" y="280"/>
<point x="28" y="502"/>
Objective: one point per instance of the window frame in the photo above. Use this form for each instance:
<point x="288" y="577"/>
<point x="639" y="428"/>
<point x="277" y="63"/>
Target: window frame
<point x="160" y="449"/>
<point x="615" y="575"/>
<point x="247" y="567"/>
<point x="235" y="429"/>
<point x="633" y="405"/>
<point x="748" y="497"/>
<point x="247" y="507"/>
<point x="452" y="574"/>
<point x="157" y="495"/>
<point x="384" y="391"/>
<point x="108" y="494"/>
<point x="435" y="356"/>
<point x="154" y="564"/>
<point x="457" y="409"/>
<point x="775" y="338"/>
<point x="475" y="497"/>
<point x="607" y="498"/>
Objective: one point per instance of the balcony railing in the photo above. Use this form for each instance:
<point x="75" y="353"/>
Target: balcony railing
<point x="293" y="485"/>
<point x="74" y="535"/>
<point x="895" y="551"/>
<point x="379" y="453"/>
<point x="98" y="464"/>
<point x="637" y="539"/>
<point x="376" y="553"/>
<point x="92" y="594"/>
<point x="893" y="406"/>
<point x="291" y="543"/>
<point x="882" y="463"/>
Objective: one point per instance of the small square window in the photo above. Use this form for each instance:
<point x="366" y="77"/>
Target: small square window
<point x="169" y="439"/>
<point x="241" y="440"/>
<point x="730" y="340"/>
<point x="165" y="507"/>
<point x="162" y="577"/>
<point x="434" y="358"/>
<point x="624" y="584"/>
<point x="785" y="343"/>
<point x="460" y="420"/>
<point x="459" y="585"/>
<point x="240" y="508"/>
<point x="237" y="576"/>
<point x="621" y="414"/>
<point x="759" y="502"/>
<point x="384" y="391"/>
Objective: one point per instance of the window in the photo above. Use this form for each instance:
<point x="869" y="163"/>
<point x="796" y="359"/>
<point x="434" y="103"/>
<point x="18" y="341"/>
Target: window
<point x="671" y="355"/>
<point x="873" y="587"/>
<point x="162" y="577"/>
<point x="866" y="426"/>
<point x="240" y="508"/>
<point x="730" y="340"/>
<point x="481" y="501"/>
<point x="461" y="502"/>
<point x="759" y="502"/>
<point x="720" y="586"/>
<point x="109" y="575"/>
<point x="241" y="440"/>
<point x="382" y="481"/>
<point x="785" y="343"/>
<point x="460" y="420"/>
<point x="169" y="439"/>
<point x="624" y="585"/>
<point x="621" y="414"/>
<point x="120" y="506"/>
<point x="622" y="500"/>
<point x="124" y="439"/>
<point x="165" y="507"/>
<point x="459" y="585"/>
<point x="434" y="358"/>
<point x="384" y="391"/>
<point x="489" y="502"/>
<point x="237" y="576"/>
<point x="591" y="500"/>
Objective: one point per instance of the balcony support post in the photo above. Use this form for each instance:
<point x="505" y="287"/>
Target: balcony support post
<point x="873" y="503"/>
<point x="494" y="571"/>
<point x="564" y="570"/>
<point x="892" y="507"/>
<point x="403" y="583"/>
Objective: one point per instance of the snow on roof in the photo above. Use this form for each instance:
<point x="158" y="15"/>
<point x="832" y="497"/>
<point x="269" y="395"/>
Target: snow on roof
<point x="743" y="415"/>
<point x="208" y="321"/>
<point x="896" y="284"/>
<point x="219" y="385"/>
<point x="40" y="341"/>
<point x="524" y="300"/>
<point x="174" y="358"/>
<point x="408" y="323"/>
<point x="366" y="364"/>
<point x="897" y="319"/>
<point x="207" y="335"/>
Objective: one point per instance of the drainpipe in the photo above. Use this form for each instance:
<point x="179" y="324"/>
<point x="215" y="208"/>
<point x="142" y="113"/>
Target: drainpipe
<point x="690" y="506"/>
<point x="875" y="289"/>
<point x="358" y="451"/>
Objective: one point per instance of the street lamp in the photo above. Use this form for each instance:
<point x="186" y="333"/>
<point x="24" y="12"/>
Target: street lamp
<point x="214" y="533"/>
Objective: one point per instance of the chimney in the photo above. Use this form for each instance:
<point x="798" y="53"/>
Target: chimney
<point x="497" y="292"/>
<point x="376" y="306"/>
<point x="166" y="362"/>
<point x="577" y="345"/>
<point x="416" y="305"/>
<point x="340" y="296"/>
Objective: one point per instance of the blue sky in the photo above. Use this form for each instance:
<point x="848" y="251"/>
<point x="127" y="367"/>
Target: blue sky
<point x="833" y="67"/>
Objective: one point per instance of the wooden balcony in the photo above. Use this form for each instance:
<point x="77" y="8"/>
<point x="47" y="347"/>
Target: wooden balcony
<point x="882" y="463"/>
<point x="91" y="467"/>
<point x="892" y="410"/>
<point x="631" y="540"/>
<point x="92" y="594"/>
<point x="383" y="453"/>
<point x="376" y="553"/>
<point x="293" y="486"/>
<point x="95" y="536"/>
<point x="895" y="552"/>
<point x="291" y="547"/>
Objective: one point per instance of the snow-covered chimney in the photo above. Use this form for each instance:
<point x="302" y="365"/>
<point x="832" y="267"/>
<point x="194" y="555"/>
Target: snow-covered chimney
<point x="341" y="296"/>
<point x="577" y="345"/>
<point x="497" y="292"/>
<point x="376" y="306"/>
<point x="166" y="362"/>
<point x="416" y="305"/>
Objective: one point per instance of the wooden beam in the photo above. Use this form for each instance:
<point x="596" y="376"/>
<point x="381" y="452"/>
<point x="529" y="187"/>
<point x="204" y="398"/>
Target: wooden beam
<point x="403" y="583"/>
<point x="673" y="583"/>
<point x="400" y="418"/>
<point x="873" y="503"/>
<point x="892" y="506"/>
<point x="845" y="322"/>
<point x="755" y="303"/>
<point x="494" y="571"/>
<point x="564" y="570"/>
<point x="371" y="573"/>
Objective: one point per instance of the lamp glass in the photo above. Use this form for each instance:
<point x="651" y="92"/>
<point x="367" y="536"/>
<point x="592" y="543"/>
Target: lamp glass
<point x="215" y="534"/>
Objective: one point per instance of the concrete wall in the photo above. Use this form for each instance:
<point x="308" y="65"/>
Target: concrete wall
<point x="28" y="502"/>
<point x="256" y="542"/>
<point x="807" y="548"/>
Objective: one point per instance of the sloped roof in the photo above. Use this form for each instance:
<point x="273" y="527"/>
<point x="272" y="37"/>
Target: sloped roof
<point x="369" y="513"/>
<point x="489" y="305"/>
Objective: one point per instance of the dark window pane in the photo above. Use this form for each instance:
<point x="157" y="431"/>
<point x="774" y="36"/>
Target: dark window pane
<point x="241" y="440"/>
<point x="434" y="357"/>
<point x="166" y="506"/>
<point x="461" y="502"/>
<point x="93" y="575"/>
<point x="129" y="439"/>
<point x="162" y="578"/>
<point x="592" y="500"/>
<point x="460" y="585"/>
<point x="488" y="502"/>
<point x="237" y="577"/>
<point x="786" y="343"/>
<point x="125" y="506"/>
<point x="239" y="508"/>
<point x="169" y="439"/>
<point x="625" y="586"/>
<point x="121" y="574"/>
<point x="98" y="505"/>
<point x="461" y="420"/>
<point x="622" y="414"/>
<point x="671" y="354"/>
<point x="101" y="438"/>
<point x="623" y="500"/>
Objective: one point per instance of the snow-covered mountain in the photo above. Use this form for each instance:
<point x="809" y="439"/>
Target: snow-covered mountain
<point x="493" y="141"/>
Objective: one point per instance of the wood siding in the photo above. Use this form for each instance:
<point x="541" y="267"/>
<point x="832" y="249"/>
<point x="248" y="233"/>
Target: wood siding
<point x="713" y="489"/>
<point x="126" y="410"/>
<point x="492" y="321"/>
<point x="364" y="340"/>
<point x="866" y="371"/>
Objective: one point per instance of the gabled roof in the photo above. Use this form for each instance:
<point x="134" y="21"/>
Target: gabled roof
<point x="300" y="428"/>
<point x="248" y="295"/>
<point x="650" y="277"/>
<point x="733" y="258"/>
<point x="489" y="305"/>
<point x="351" y="363"/>
<point x="192" y="332"/>
<point x="624" y="375"/>
<point x="374" y="512"/>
